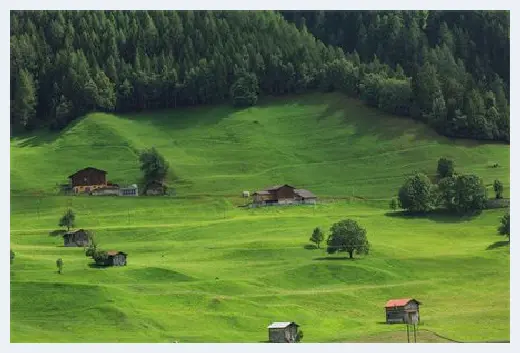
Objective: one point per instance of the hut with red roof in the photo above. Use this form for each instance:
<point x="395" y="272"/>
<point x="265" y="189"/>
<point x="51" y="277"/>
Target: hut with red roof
<point x="402" y="311"/>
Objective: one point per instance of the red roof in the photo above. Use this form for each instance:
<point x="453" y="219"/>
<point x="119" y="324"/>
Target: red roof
<point x="397" y="302"/>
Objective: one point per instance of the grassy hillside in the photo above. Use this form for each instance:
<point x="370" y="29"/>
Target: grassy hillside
<point x="201" y="269"/>
<point x="327" y="143"/>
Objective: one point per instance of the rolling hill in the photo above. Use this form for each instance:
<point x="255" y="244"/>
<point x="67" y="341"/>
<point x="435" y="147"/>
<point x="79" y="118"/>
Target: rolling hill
<point x="202" y="269"/>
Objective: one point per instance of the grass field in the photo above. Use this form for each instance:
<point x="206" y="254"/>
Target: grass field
<point x="201" y="269"/>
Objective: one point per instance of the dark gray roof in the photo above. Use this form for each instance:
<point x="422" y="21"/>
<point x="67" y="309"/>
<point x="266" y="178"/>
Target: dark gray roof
<point x="306" y="194"/>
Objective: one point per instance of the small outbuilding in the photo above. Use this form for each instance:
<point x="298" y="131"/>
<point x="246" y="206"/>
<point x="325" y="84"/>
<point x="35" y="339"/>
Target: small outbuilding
<point x="402" y="311"/>
<point x="109" y="190"/>
<point x="283" y="332"/>
<point x="113" y="258"/>
<point x="78" y="237"/>
<point x="155" y="188"/>
<point x="131" y="190"/>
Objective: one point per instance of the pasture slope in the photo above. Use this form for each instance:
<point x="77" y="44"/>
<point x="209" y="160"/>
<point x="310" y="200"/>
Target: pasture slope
<point x="201" y="269"/>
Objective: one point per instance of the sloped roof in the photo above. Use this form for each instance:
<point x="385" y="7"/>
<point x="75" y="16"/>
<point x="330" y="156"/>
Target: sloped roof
<point x="282" y="324"/>
<point x="276" y="187"/>
<point x="72" y="232"/>
<point x="114" y="253"/>
<point x="304" y="193"/>
<point x="261" y="192"/>
<point x="92" y="168"/>
<point x="398" y="302"/>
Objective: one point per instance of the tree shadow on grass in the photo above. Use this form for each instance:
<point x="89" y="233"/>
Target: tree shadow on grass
<point x="381" y="323"/>
<point x="57" y="232"/>
<point x="334" y="258"/>
<point x="97" y="266"/>
<point x="440" y="216"/>
<point x="498" y="244"/>
<point x="310" y="247"/>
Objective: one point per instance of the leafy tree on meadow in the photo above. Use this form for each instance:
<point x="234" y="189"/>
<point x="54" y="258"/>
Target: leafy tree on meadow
<point x="68" y="219"/>
<point x="504" y="229"/>
<point x="463" y="193"/>
<point x="416" y="194"/>
<point x="499" y="189"/>
<point x="317" y="236"/>
<point x="348" y="236"/>
<point x="153" y="165"/>
<point x="59" y="265"/>
<point x="445" y="168"/>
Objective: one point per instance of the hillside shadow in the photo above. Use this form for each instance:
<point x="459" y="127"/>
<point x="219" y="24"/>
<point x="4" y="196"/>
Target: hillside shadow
<point x="440" y="216"/>
<point x="498" y="244"/>
<point x="43" y="135"/>
<point x="310" y="247"/>
<point x="183" y="117"/>
<point x="369" y="121"/>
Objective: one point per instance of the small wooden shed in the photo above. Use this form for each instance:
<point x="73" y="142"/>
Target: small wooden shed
<point x="114" y="258"/>
<point x="78" y="237"/>
<point x="402" y="311"/>
<point x="155" y="188"/>
<point x="283" y="332"/>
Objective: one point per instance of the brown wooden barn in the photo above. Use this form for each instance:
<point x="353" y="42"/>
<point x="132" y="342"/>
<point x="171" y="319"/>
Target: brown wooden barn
<point x="401" y="311"/>
<point x="78" y="237"/>
<point x="88" y="179"/>
<point x="283" y="332"/>
<point x="114" y="258"/>
<point x="283" y="195"/>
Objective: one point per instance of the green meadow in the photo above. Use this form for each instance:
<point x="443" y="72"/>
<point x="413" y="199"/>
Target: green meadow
<point x="202" y="269"/>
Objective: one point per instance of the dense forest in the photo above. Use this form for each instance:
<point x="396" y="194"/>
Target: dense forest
<point x="448" y="69"/>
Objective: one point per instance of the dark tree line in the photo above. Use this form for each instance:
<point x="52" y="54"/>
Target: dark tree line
<point x="67" y="63"/>
<point x="458" y="62"/>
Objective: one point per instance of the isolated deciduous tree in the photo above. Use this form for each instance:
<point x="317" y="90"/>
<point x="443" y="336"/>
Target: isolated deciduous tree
<point x="499" y="189"/>
<point x="503" y="229"/>
<point x="462" y="193"/>
<point x="416" y="194"/>
<point x="153" y="165"/>
<point x="59" y="264"/>
<point x="67" y="220"/>
<point x="445" y="168"/>
<point x="347" y="235"/>
<point x="317" y="236"/>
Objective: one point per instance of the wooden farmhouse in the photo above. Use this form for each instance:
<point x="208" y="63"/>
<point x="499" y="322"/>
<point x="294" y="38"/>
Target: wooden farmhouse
<point x="155" y="188"/>
<point x="283" y="195"/>
<point x="283" y="332"/>
<point x="402" y="311"/>
<point x="76" y="238"/>
<point x="88" y="179"/>
<point x="114" y="258"/>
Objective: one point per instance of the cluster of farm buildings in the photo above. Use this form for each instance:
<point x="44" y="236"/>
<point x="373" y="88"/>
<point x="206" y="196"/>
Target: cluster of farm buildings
<point x="93" y="181"/>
